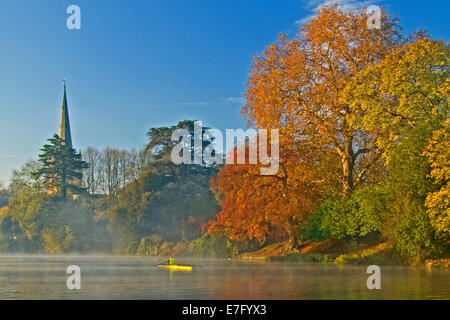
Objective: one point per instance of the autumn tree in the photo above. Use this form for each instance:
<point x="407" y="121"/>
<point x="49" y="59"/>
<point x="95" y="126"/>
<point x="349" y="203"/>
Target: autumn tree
<point x="409" y="87"/>
<point x="404" y="98"/>
<point x="406" y="92"/>
<point x="438" y="202"/>
<point x="266" y="208"/>
<point x="296" y="85"/>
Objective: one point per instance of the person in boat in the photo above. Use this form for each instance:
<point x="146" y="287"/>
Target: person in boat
<point x="171" y="261"/>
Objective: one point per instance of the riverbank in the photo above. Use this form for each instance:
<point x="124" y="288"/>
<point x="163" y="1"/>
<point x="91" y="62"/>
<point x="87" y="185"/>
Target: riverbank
<point x="364" y="252"/>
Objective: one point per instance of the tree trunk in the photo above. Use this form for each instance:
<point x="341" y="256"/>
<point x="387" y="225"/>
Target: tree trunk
<point x="347" y="166"/>
<point x="64" y="185"/>
<point x="292" y="238"/>
<point x="292" y="244"/>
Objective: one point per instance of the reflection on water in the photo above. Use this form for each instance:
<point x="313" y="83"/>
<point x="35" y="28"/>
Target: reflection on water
<point x="111" y="277"/>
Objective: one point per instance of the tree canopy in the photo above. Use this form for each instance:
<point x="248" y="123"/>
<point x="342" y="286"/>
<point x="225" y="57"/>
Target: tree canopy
<point x="61" y="167"/>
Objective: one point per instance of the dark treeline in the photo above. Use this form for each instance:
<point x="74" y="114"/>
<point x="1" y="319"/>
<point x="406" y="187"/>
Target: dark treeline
<point x="132" y="202"/>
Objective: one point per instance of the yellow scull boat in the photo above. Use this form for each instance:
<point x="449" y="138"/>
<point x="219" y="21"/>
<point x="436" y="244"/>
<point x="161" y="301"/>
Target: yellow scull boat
<point x="176" y="267"/>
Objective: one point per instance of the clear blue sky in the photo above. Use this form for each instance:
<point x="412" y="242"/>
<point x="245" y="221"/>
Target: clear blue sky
<point x="137" y="64"/>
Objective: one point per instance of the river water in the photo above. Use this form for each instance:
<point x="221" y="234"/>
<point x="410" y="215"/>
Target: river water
<point x="117" y="277"/>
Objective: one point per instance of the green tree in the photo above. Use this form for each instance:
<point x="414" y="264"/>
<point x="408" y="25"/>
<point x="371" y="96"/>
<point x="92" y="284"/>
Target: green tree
<point x="346" y="217"/>
<point x="61" y="167"/>
<point x="169" y="200"/>
<point x="27" y="177"/>
<point x="4" y="195"/>
<point x="408" y="227"/>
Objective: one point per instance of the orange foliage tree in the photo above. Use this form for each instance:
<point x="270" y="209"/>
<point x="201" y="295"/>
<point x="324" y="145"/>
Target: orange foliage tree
<point x="296" y="85"/>
<point x="262" y="207"/>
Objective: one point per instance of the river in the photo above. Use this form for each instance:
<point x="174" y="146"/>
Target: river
<point x="117" y="277"/>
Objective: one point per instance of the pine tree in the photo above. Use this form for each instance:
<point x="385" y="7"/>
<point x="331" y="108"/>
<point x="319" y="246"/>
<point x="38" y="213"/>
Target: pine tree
<point x="61" y="167"/>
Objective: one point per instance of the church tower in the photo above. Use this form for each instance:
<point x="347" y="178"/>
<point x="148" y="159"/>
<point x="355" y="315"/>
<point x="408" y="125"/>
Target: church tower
<point x="64" y="127"/>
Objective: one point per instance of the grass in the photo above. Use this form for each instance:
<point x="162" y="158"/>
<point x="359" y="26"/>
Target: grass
<point x="300" y="257"/>
<point x="378" y="254"/>
<point x="365" y="251"/>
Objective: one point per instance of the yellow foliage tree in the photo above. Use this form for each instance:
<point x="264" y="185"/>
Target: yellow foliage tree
<point x="438" y="203"/>
<point x="410" y="85"/>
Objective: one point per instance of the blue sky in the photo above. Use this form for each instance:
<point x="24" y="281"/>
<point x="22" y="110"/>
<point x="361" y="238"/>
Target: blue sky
<point x="137" y="64"/>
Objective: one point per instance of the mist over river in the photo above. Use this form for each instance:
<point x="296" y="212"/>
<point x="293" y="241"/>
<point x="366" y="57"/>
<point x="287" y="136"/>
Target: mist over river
<point x="123" y="277"/>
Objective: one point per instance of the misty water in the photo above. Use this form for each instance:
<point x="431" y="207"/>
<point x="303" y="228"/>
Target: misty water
<point x="117" y="277"/>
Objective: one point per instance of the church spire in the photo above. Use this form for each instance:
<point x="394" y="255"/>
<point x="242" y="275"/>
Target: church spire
<point x="64" y="127"/>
